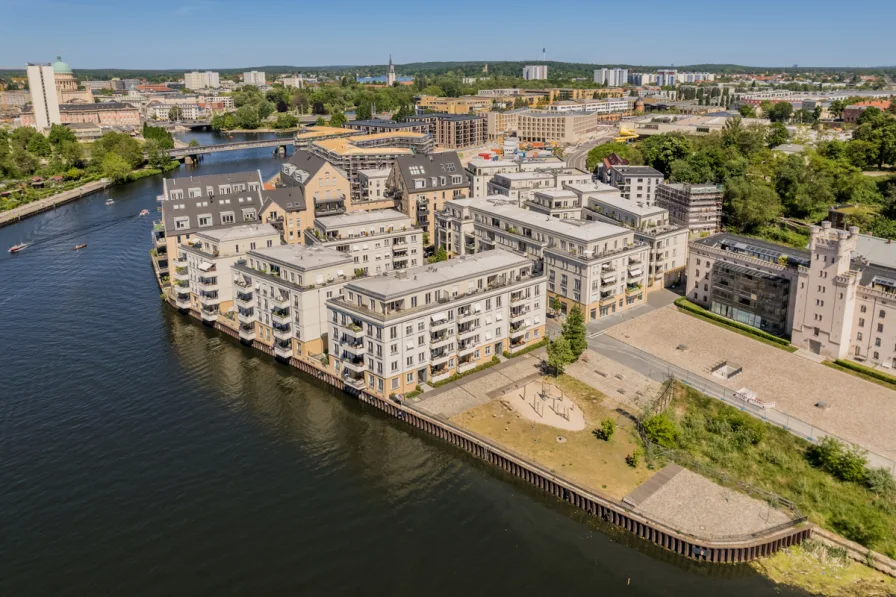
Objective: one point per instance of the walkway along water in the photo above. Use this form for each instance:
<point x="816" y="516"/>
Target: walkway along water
<point x="42" y="205"/>
<point x="715" y="550"/>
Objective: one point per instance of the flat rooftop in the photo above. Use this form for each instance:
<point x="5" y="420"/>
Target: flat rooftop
<point x="529" y="175"/>
<point x="324" y="131"/>
<point x="591" y="187"/>
<point x="484" y="163"/>
<point x="638" y="208"/>
<point x="362" y="218"/>
<point x="638" y="171"/>
<point x="557" y="194"/>
<point x="437" y="274"/>
<point x="375" y="172"/>
<point x="879" y="251"/>
<point x="349" y="145"/>
<point x="580" y="230"/>
<point x="304" y="258"/>
<point x="239" y="232"/>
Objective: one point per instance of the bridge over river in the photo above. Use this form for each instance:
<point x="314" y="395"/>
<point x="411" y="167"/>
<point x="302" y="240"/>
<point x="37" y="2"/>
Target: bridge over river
<point x="281" y="144"/>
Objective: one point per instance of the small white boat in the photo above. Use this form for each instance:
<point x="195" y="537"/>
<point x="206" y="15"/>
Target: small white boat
<point x="17" y="248"/>
<point x="145" y="212"/>
<point x="110" y="201"/>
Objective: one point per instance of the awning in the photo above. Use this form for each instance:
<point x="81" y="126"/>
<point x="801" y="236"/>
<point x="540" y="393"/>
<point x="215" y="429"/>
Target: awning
<point x="477" y="308"/>
<point x="499" y="316"/>
<point x="205" y="266"/>
<point x="488" y="335"/>
<point x="488" y="319"/>
<point x="635" y="271"/>
<point x="409" y="346"/>
<point x="537" y="319"/>
<point x="437" y="317"/>
<point x="606" y="277"/>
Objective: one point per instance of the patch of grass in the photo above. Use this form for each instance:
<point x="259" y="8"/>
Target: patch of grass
<point x="782" y="235"/>
<point x="749" y="450"/>
<point x="699" y="312"/>
<point x="866" y="373"/>
<point x="823" y="570"/>
<point x="582" y="457"/>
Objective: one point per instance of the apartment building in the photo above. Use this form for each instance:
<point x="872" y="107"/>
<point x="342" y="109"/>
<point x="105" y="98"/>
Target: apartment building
<point x="522" y="186"/>
<point x="390" y="333"/>
<point x="254" y="77"/>
<point x="200" y="80"/>
<point x="606" y="108"/>
<point x="480" y="171"/>
<point x="556" y="203"/>
<point x="192" y="204"/>
<point x="421" y="183"/>
<point x="467" y="104"/>
<point x="201" y="276"/>
<point x="696" y="207"/>
<point x="454" y="227"/>
<point x="611" y="77"/>
<point x="309" y="135"/>
<point x="458" y="131"/>
<point x="378" y="241"/>
<point x="285" y="209"/>
<point x="668" y="243"/>
<point x="535" y="72"/>
<point x="281" y="292"/>
<point x="542" y="125"/>
<point x="596" y="266"/>
<point x="637" y="183"/>
<point x="327" y="185"/>
<point x="745" y="279"/>
<point x="376" y="126"/>
<point x="372" y="189"/>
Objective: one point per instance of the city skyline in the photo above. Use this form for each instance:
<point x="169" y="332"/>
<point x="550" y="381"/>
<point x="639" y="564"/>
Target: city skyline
<point x="769" y="35"/>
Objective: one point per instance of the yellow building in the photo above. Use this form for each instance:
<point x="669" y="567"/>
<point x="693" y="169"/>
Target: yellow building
<point x="286" y="210"/>
<point x="454" y="105"/>
<point x="321" y="183"/>
<point x="67" y="88"/>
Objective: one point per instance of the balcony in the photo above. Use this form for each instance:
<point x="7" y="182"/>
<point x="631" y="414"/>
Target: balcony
<point x="181" y="273"/>
<point x="182" y="300"/>
<point x="283" y="348"/>
<point x="209" y="300"/>
<point x="634" y="259"/>
<point x="245" y="299"/>
<point x="280" y="300"/>
<point x="439" y="374"/>
<point x="209" y="314"/>
<point x="441" y="324"/>
<point x="439" y="356"/>
<point x="516" y="346"/>
<point x="247" y="331"/>
<point x="463" y="317"/>
<point x="355" y="380"/>
<point x="282" y="332"/>
<point x="518" y="313"/>
<point x="463" y="366"/>
<point x="352" y="346"/>
<point x="607" y="298"/>
<point x="355" y="330"/>
<point x="465" y="348"/>
<point x="636" y="272"/>
<point x="468" y="332"/>
<point x="280" y="316"/>
<point x="440" y="340"/>
<point x="518" y="326"/>
<point x="353" y="363"/>
<point x="633" y="289"/>
<point x="246" y="316"/>
<point x="207" y="282"/>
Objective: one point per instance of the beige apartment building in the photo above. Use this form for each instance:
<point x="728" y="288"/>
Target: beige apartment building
<point x="390" y="333"/>
<point x="556" y="203"/>
<point x="321" y="182"/>
<point x="522" y="186"/>
<point x="454" y="227"/>
<point x="467" y="104"/>
<point x="421" y="183"/>
<point x="543" y="126"/>
<point x="285" y="209"/>
<point x="599" y="267"/>
<point x="372" y="190"/>
<point x="480" y="171"/>
<point x="201" y="277"/>
<point x="280" y="295"/>
<point x="378" y="241"/>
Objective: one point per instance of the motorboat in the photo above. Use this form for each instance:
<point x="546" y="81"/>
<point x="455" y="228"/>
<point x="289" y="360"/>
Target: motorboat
<point x="110" y="201"/>
<point x="145" y="212"/>
<point x="17" y="248"/>
<point x="79" y="247"/>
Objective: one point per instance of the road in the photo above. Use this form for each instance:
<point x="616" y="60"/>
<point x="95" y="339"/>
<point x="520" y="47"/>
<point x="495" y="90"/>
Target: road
<point x="577" y="157"/>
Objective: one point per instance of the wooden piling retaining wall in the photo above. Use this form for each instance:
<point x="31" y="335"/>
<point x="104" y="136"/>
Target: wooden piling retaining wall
<point x="610" y="511"/>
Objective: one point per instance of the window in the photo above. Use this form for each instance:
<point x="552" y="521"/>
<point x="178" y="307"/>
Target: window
<point x="410" y="378"/>
<point x="395" y="383"/>
<point x="877" y="342"/>
<point x="882" y="314"/>
<point x="863" y="309"/>
<point x="861" y="322"/>
<point x="858" y="336"/>
<point x="880" y="328"/>
<point x="410" y="361"/>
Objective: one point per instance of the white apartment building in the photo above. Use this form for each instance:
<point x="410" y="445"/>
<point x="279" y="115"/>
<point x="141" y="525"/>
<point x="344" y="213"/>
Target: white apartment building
<point x="521" y="186"/>
<point x="254" y="77"/>
<point x="480" y="171"/>
<point x="696" y="207"/>
<point x="668" y="243"/>
<point x="667" y="77"/>
<point x="378" y="241"/>
<point x="596" y="266"/>
<point x="599" y="106"/>
<point x="556" y="203"/>
<point x="202" y="80"/>
<point x="163" y="112"/>
<point x="297" y="82"/>
<point x="611" y="77"/>
<point x="201" y="276"/>
<point x="390" y="333"/>
<point x="372" y="189"/>
<point x="44" y="99"/>
<point x="281" y="294"/>
<point x="454" y="227"/>
<point x="535" y="72"/>
<point x="637" y="183"/>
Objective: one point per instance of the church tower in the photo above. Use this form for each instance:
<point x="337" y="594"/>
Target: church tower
<point x="390" y="76"/>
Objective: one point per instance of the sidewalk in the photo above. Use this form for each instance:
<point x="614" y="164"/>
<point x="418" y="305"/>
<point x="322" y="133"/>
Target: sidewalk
<point x="41" y="205"/>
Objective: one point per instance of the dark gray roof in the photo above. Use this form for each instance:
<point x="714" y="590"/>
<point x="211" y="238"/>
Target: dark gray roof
<point x="215" y="204"/>
<point x="759" y="248"/>
<point x="288" y="198"/>
<point x="444" y="116"/>
<point x="307" y="161"/>
<point x="444" y="164"/>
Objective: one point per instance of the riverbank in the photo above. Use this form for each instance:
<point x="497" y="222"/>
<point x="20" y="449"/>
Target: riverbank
<point x="52" y="202"/>
<point x="259" y="130"/>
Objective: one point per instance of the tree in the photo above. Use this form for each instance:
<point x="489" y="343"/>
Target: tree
<point x="337" y="119"/>
<point x="156" y="157"/>
<point x="747" y="110"/>
<point x="300" y="101"/>
<point x="175" y="113"/>
<point x="60" y="134"/>
<point x="363" y="112"/>
<point x="247" y="117"/>
<point x="71" y="154"/>
<point x="781" y="112"/>
<point x="777" y="134"/>
<point x="559" y="356"/>
<point x="282" y="106"/>
<point x="661" y="430"/>
<point x="116" y="167"/>
<point x="39" y="146"/>
<point x="574" y="332"/>
<point x="120" y="144"/>
<point x="836" y="108"/>
<point x="660" y="151"/>
<point x="285" y="121"/>
<point x="748" y="205"/>
<point x="440" y="255"/>
<point x="623" y="150"/>
<point x="265" y="109"/>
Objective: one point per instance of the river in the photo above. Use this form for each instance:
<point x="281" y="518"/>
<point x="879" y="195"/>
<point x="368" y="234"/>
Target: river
<point x="144" y="454"/>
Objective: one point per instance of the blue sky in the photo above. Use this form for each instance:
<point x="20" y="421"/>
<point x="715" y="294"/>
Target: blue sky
<point x="232" y="34"/>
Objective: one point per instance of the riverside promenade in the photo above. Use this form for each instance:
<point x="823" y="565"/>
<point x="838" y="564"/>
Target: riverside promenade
<point x="42" y="205"/>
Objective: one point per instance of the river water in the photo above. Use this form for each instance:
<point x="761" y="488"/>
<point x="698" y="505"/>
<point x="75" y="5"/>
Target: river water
<point x="144" y="454"/>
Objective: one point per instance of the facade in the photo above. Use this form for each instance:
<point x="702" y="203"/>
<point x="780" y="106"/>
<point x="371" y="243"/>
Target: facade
<point x="668" y="243"/>
<point x="420" y="184"/>
<point x="44" y="100"/>
<point x="202" y="271"/>
<point x="163" y="111"/>
<point x="378" y="241"/>
<point x="375" y="126"/>
<point x="254" y="77"/>
<point x="666" y="77"/>
<point x="556" y="203"/>
<point x="281" y="292"/>
<point x="285" y="209"/>
<point x="696" y="207"/>
<point x="68" y="89"/>
<point x="106" y="114"/>
<point x="372" y="189"/>
<point x="480" y="171"/>
<point x="468" y="104"/>
<point x="606" y="108"/>
<point x="198" y="80"/>
<point x="748" y="280"/>
<point x="611" y="77"/>
<point x="454" y="227"/>
<point x="852" y="112"/>
<point x="535" y="72"/>
<point x="459" y="131"/>
<point x="521" y="187"/>
<point x="637" y="183"/>
<point x="390" y="333"/>
<point x="326" y="186"/>
<point x="542" y="126"/>
<point x="596" y="266"/>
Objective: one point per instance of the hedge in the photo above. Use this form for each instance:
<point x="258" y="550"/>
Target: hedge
<point x="530" y="348"/>
<point x="495" y="360"/>
<point x="687" y="305"/>
<point x="866" y="371"/>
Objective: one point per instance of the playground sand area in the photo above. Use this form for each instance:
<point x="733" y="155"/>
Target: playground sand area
<point x="559" y="434"/>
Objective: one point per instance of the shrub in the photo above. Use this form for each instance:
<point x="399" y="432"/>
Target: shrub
<point x="860" y="525"/>
<point x="866" y="371"/>
<point x="661" y="430"/>
<point x="846" y="464"/>
<point x="881" y="482"/>
<point x="606" y="431"/>
<point x="633" y="459"/>
<point x="530" y="348"/>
